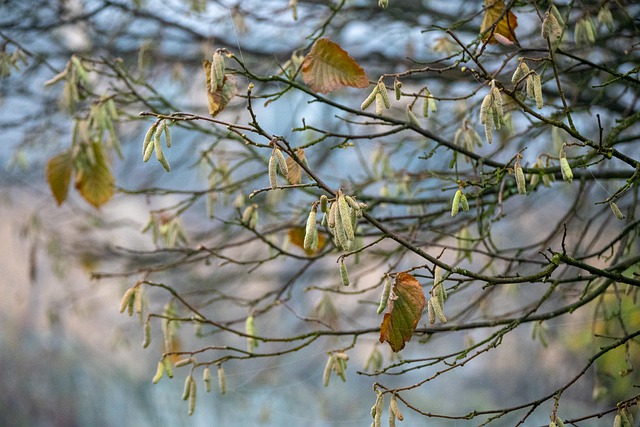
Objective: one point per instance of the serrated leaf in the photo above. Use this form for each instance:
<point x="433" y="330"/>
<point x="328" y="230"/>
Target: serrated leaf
<point x="505" y="26"/>
<point x="218" y="96"/>
<point x="328" y="67"/>
<point x="405" y="308"/>
<point x="94" y="180"/>
<point x="296" y="236"/>
<point x="294" y="170"/>
<point x="58" y="174"/>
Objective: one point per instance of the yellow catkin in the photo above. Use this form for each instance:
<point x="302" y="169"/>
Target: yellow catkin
<point x="464" y="202"/>
<point x="159" y="373"/>
<point x="222" y="380"/>
<point x="206" y="378"/>
<point x="369" y="99"/>
<point x="127" y="299"/>
<point x="186" y="390"/>
<point x="413" y="119"/>
<point x="520" y="180"/>
<point x="565" y="168"/>
<point x="382" y="90"/>
<point x="192" y="396"/>
<point x="379" y="104"/>
<point x="273" y="179"/>
<point x="311" y="231"/>
<point x="282" y="162"/>
<point x="147" y="147"/>
<point x="168" y="368"/>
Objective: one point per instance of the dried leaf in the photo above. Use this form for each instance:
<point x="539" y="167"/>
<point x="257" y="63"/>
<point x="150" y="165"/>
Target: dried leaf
<point x="218" y="96"/>
<point x="58" y="173"/>
<point x="294" y="170"/>
<point x="296" y="236"/>
<point x="505" y="27"/>
<point x="94" y="180"/>
<point x="328" y="67"/>
<point x="406" y="304"/>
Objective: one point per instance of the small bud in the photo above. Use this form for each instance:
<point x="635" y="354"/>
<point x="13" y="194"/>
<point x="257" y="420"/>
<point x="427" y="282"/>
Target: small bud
<point x="344" y="274"/>
<point x="397" y="87"/>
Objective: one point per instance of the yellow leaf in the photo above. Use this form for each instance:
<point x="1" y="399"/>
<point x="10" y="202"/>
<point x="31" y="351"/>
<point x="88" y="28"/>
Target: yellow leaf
<point x="93" y="179"/>
<point x="403" y="313"/>
<point x="296" y="236"/>
<point x="505" y="27"/>
<point x="328" y="67"/>
<point x="218" y="96"/>
<point x="58" y="173"/>
<point x="294" y="170"/>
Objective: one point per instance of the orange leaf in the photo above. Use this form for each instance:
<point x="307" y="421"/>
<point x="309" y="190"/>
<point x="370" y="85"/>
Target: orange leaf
<point x="505" y="27"/>
<point x="58" y="173"/>
<point x="294" y="174"/>
<point x="328" y="67"/>
<point x="93" y="179"/>
<point x="218" y="96"/>
<point x="404" y="311"/>
<point x="296" y="236"/>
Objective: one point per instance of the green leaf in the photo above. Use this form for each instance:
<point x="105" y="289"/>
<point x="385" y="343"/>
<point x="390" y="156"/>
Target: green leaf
<point x="58" y="174"/>
<point x="328" y="67"/>
<point x="93" y="179"/>
<point x="406" y="304"/>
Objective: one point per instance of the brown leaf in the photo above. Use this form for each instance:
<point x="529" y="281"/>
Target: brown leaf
<point x="218" y="96"/>
<point x="58" y="174"/>
<point x="505" y="26"/>
<point x="93" y="179"/>
<point x="406" y="304"/>
<point x="328" y="67"/>
<point x="296" y="236"/>
<point x="294" y="174"/>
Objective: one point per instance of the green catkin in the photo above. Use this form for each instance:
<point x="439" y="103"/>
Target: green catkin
<point x="431" y="312"/>
<point x="326" y="374"/>
<point x="147" y="334"/>
<point x="345" y="216"/>
<point x="455" y="205"/>
<point x="159" y="373"/>
<point x="218" y="69"/>
<point x="282" y="162"/>
<point x="146" y="145"/>
<point x="183" y="362"/>
<point x="413" y="119"/>
<point x="250" y="329"/>
<point x="344" y="274"/>
<point x="351" y="201"/>
<point x="382" y="90"/>
<point x="167" y="367"/>
<point x="369" y="99"/>
<point x="187" y="387"/>
<point x="206" y="378"/>
<point x="520" y="180"/>
<point x="617" y="420"/>
<point x="324" y="201"/>
<point x="331" y="221"/>
<point x="379" y="104"/>
<point x="384" y="298"/>
<point x="222" y="380"/>
<point x="127" y="299"/>
<point x="537" y="91"/>
<point x="565" y="168"/>
<point x="616" y="210"/>
<point x="397" y="88"/>
<point x="311" y="231"/>
<point x="167" y="134"/>
<point x="273" y="179"/>
<point x="464" y="202"/>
